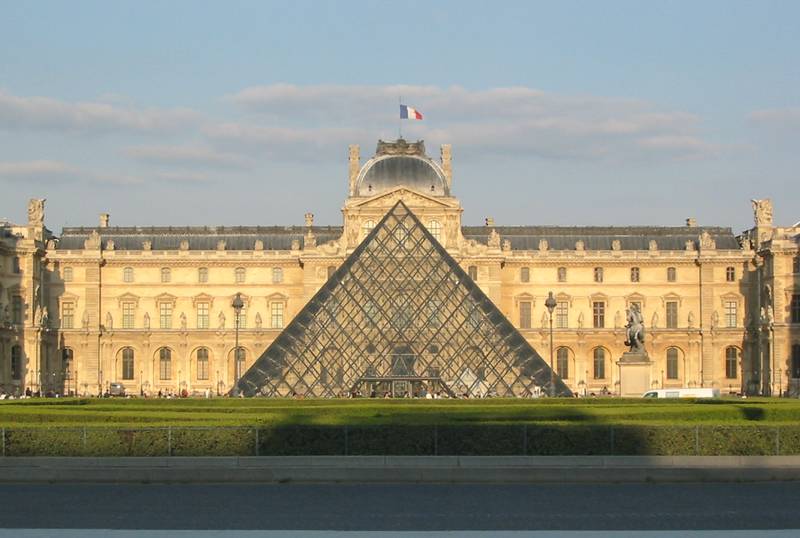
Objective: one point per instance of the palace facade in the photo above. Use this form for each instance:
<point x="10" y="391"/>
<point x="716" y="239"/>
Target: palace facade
<point x="151" y="307"/>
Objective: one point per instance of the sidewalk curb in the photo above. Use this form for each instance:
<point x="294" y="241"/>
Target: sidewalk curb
<point x="401" y="469"/>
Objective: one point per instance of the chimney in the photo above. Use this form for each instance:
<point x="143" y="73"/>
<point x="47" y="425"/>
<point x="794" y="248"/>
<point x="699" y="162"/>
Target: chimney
<point x="691" y="222"/>
<point x="355" y="167"/>
<point x="104" y="220"/>
<point x="447" y="164"/>
<point x="489" y="221"/>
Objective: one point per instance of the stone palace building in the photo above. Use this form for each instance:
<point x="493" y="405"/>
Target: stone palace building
<point x="151" y="307"/>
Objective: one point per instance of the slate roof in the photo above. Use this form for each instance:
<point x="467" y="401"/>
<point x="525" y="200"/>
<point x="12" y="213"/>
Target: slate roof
<point x="601" y="237"/>
<point x="199" y="237"/>
<point x="281" y="237"/>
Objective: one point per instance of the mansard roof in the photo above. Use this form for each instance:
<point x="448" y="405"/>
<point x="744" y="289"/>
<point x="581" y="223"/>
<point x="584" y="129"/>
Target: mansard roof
<point x="281" y="237"/>
<point x="602" y="237"/>
<point x="199" y="237"/>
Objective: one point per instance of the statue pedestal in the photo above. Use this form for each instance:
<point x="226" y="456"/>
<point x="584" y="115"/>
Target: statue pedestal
<point x="634" y="374"/>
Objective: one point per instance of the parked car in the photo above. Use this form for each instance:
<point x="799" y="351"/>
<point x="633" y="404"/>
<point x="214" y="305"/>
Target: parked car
<point x="682" y="393"/>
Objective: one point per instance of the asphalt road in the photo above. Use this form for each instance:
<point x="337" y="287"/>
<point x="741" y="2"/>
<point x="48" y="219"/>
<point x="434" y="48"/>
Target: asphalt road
<point x="402" y="507"/>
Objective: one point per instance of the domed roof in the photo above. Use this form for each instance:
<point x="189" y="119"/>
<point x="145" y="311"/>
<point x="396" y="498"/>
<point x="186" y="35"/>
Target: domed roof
<point x="398" y="163"/>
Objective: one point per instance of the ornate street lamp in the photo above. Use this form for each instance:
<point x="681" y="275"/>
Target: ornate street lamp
<point x="550" y="303"/>
<point x="237" y="305"/>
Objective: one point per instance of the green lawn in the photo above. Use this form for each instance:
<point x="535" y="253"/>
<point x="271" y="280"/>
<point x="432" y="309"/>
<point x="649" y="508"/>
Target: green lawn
<point x="268" y="412"/>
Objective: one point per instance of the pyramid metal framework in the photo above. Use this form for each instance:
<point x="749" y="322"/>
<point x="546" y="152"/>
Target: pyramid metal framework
<point x="399" y="317"/>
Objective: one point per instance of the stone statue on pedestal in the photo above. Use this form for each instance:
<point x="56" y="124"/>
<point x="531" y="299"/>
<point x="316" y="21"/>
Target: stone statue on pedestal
<point x="635" y="330"/>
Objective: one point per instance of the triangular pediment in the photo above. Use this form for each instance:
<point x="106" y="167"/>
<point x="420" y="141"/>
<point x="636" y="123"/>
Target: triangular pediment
<point x="410" y="197"/>
<point x="400" y="314"/>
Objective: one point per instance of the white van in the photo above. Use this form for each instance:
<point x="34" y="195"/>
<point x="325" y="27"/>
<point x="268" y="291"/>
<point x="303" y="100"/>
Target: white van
<point x="682" y="393"/>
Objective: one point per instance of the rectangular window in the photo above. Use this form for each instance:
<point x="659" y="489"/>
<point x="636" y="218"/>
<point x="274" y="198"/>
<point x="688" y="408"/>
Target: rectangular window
<point x="68" y="275"/>
<point x="473" y="272"/>
<point x="241" y="318"/>
<point x="730" y="313"/>
<point x="68" y="316"/>
<point x="796" y="265"/>
<point x="202" y="316"/>
<point x="672" y="314"/>
<point x="562" y="314"/>
<point x="562" y="274"/>
<point x="599" y="314"/>
<point x="598" y="274"/>
<point x="730" y="274"/>
<point x="202" y="275"/>
<point x="165" y="315"/>
<point x="276" y="310"/>
<point x="525" y="274"/>
<point x="795" y="308"/>
<point x="525" y="314"/>
<point x="15" y="268"/>
<point x="128" y="313"/>
<point x="16" y="310"/>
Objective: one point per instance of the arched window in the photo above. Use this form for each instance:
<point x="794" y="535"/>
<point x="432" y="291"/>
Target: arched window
<point x="730" y="274"/>
<point x="562" y="362"/>
<point x="562" y="274"/>
<point x="598" y="274"/>
<point x="672" y="274"/>
<point x="277" y="275"/>
<point x="367" y="227"/>
<point x="127" y="275"/>
<point x="166" y="274"/>
<point x="127" y="363"/>
<point x="473" y="272"/>
<point x="239" y="362"/>
<point x="164" y="364"/>
<point x="634" y="274"/>
<point x="672" y="363"/>
<point x="202" y="275"/>
<point x="599" y="363"/>
<point x="202" y="364"/>
<point x="525" y="274"/>
<point x="238" y="275"/>
<point x="16" y="363"/>
<point x="795" y="361"/>
<point x="435" y="228"/>
<point x="731" y="362"/>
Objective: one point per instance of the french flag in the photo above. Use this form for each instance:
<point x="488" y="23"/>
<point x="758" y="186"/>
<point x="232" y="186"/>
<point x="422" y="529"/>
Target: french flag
<point x="408" y="113"/>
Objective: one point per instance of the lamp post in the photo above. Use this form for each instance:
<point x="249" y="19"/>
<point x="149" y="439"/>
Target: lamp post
<point x="550" y="303"/>
<point x="237" y="305"/>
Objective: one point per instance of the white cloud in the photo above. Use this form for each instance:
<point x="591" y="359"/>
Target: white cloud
<point x="52" y="114"/>
<point x="186" y="155"/>
<point x="42" y="171"/>
<point x="781" y="118"/>
<point x="513" y="120"/>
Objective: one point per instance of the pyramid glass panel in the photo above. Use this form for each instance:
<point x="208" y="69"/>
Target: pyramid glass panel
<point x="399" y="317"/>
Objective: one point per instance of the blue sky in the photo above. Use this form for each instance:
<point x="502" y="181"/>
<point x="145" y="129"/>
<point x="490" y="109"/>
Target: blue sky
<point x="241" y="112"/>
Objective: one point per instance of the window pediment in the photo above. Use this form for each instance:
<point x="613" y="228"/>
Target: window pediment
<point x="202" y="298"/>
<point x="597" y="297"/>
<point x="670" y="297"/>
<point x="277" y="297"/>
<point x="68" y="298"/>
<point x="730" y="297"/>
<point x="525" y="297"/>
<point x="636" y="298"/>
<point x="563" y="297"/>
<point x="128" y="298"/>
<point x="166" y="298"/>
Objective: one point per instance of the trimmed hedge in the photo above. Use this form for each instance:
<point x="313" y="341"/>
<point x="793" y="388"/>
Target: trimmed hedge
<point x="537" y="440"/>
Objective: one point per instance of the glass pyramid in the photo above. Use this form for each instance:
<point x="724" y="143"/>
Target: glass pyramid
<point x="399" y="317"/>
